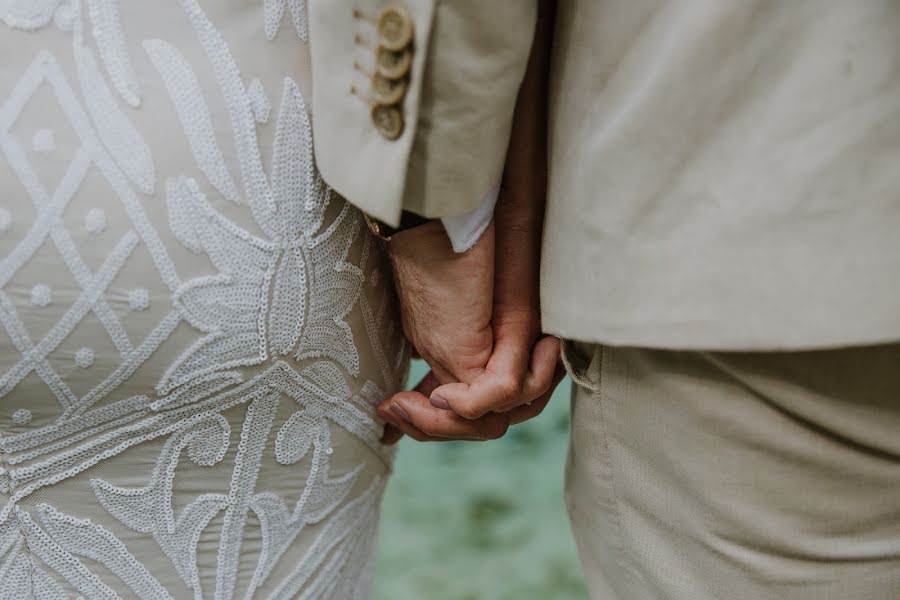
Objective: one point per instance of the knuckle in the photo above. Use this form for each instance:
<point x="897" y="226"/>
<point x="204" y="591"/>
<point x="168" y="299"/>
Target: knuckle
<point x="545" y="379"/>
<point x="470" y="411"/>
<point x="541" y="388"/>
<point x="510" y="387"/>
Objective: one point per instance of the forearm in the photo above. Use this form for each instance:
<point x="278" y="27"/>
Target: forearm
<point x="519" y="213"/>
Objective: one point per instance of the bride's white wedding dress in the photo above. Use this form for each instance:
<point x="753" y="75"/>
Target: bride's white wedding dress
<point x="193" y="329"/>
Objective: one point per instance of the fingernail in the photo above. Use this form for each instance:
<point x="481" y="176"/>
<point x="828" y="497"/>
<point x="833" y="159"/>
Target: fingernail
<point x="400" y="412"/>
<point x="438" y="402"/>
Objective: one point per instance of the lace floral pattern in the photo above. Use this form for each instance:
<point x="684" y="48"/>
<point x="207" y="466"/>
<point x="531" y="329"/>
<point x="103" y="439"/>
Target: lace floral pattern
<point x="277" y="343"/>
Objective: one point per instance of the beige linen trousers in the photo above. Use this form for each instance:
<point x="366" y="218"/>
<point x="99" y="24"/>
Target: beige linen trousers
<point x="736" y="476"/>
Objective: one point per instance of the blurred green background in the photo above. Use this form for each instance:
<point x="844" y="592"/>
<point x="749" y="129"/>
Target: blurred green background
<point x="481" y="521"/>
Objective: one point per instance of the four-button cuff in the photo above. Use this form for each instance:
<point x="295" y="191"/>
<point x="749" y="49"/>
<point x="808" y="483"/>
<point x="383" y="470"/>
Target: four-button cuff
<point x="393" y="61"/>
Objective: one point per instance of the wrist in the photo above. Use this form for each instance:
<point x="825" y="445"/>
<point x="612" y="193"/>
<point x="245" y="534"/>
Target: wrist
<point x="408" y="220"/>
<point x="423" y="240"/>
<point x="426" y="252"/>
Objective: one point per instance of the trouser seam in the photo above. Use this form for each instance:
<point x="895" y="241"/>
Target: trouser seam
<point x="623" y="554"/>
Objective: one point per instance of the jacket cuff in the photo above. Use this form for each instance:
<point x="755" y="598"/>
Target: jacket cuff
<point x="361" y="149"/>
<point x="432" y="141"/>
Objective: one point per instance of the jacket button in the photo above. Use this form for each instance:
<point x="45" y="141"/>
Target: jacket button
<point x="387" y="91"/>
<point x="395" y="28"/>
<point x="393" y="65"/>
<point x="388" y="121"/>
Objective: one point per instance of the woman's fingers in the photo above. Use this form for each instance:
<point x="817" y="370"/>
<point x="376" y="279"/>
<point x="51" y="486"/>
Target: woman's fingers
<point x="393" y="430"/>
<point x="530" y="411"/>
<point x="427" y="384"/>
<point x="413" y="413"/>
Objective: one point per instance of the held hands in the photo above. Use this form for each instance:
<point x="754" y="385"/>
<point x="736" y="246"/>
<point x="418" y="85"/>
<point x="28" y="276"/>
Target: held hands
<point x="475" y="317"/>
<point x="478" y="329"/>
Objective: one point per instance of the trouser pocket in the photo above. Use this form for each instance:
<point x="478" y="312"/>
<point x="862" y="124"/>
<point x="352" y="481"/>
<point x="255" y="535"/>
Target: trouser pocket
<point x="582" y="361"/>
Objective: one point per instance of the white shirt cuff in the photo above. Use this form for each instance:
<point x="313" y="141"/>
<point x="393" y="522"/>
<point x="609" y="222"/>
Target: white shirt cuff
<point x="466" y="229"/>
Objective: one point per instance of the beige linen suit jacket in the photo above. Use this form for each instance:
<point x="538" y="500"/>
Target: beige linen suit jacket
<point x="724" y="174"/>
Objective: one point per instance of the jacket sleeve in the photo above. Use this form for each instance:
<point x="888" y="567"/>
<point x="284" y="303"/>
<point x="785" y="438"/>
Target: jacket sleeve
<point x="413" y="99"/>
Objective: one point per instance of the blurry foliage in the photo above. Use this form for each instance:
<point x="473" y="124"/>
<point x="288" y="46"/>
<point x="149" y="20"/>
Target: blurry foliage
<point x="481" y="521"/>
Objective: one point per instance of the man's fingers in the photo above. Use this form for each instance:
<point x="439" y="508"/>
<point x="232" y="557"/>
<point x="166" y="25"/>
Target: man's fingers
<point x="506" y="383"/>
<point x="526" y="412"/>
<point x="427" y="384"/>
<point x="544" y="362"/>
<point x="414" y="414"/>
<point x="499" y="387"/>
<point x="530" y="411"/>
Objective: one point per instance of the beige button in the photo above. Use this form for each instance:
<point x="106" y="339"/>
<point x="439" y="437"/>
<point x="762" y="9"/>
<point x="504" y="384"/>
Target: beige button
<point x="395" y="28"/>
<point x="387" y="91"/>
<point x="393" y="65"/>
<point x="388" y="120"/>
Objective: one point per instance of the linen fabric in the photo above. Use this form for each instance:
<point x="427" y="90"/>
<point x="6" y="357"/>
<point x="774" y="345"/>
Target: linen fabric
<point x="469" y="57"/>
<point x="722" y="172"/>
<point x="747" y="476"/>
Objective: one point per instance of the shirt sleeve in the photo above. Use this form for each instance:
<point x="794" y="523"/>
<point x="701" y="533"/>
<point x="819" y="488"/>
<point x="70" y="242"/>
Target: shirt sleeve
<point x="466" y="229"/>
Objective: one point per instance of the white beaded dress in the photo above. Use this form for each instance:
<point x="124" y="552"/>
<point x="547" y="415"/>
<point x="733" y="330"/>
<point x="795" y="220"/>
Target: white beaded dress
<point x="194" y="330"/>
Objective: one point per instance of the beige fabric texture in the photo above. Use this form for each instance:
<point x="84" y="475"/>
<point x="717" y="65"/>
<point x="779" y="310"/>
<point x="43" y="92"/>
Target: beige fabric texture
<point x="746" y="476"/>
<point x="723" y="173"/>
<point x="194" y="331"/>
<point x="469" y="60"/>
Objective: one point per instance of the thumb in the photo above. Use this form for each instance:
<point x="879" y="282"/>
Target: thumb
<point x="507" y="381"/>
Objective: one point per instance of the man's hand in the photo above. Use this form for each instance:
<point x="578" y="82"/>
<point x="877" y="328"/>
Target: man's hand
<point x="518" y="372"/>
<point x="468" y="334"/>
<point x="446" y="299"/>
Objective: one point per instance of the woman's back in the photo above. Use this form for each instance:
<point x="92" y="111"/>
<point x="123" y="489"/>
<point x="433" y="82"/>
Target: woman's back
<point x="194" y="330"/>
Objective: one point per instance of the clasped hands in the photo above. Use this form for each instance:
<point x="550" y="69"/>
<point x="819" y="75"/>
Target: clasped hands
<point x="474" y="318"/>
